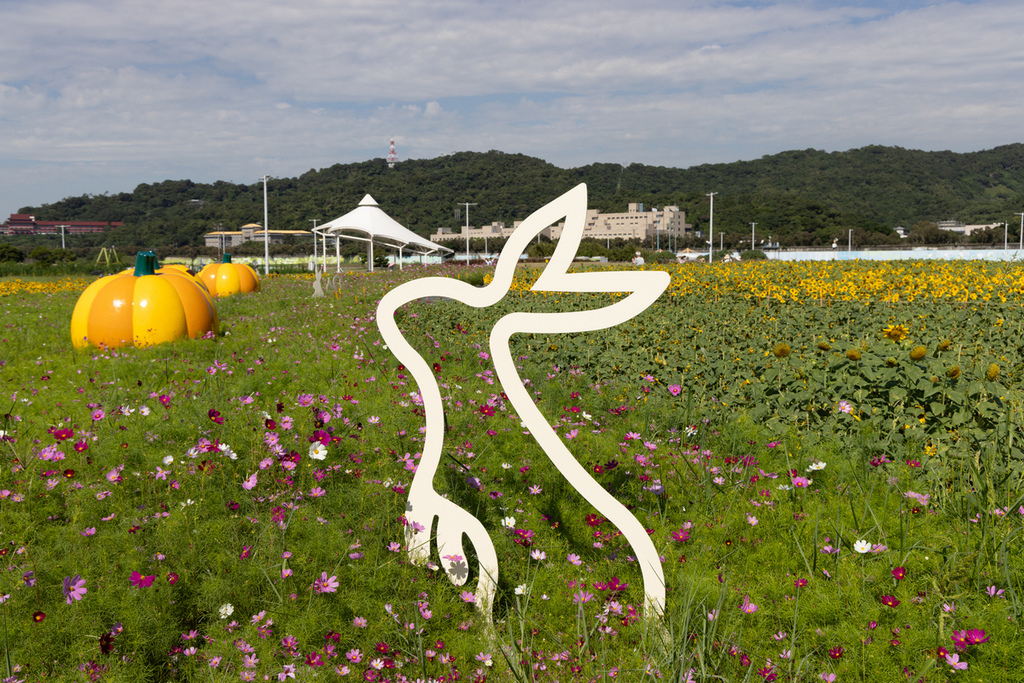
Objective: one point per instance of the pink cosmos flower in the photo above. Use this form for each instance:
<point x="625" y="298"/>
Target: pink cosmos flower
<point x="325" y="584"/>
<point x="582" y="597"/>
<point x="74" y="588"/>
<point x="954" y="661"/>
<point x="747" y="607"/>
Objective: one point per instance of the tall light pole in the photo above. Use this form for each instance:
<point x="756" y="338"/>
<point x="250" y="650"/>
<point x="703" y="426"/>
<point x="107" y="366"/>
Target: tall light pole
<point x="1021" y="229"/>
<point x="62" y="234"/>
<point x="313" y="221"/>
<point x="467" y="205"/>
<point x="1006" y="235"/>
<point x="711" y="229"/>
<point x="752" y="235"/>
<point x="266" y="230"/>
<point x="849" y="240"/>
<point x="657" y="229"/>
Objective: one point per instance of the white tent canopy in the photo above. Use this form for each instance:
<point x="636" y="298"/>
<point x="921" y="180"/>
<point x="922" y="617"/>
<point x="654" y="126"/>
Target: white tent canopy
<point x="368" y="223"/>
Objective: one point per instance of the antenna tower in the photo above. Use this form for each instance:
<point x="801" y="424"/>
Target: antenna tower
<point x="392" y="156"/>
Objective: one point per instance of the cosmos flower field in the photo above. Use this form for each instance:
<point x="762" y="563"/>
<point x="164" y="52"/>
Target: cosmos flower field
<point x="826" y="456"/>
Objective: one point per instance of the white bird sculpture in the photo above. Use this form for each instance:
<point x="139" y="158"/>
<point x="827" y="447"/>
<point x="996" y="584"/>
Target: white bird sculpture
<point x="425" y="506"/>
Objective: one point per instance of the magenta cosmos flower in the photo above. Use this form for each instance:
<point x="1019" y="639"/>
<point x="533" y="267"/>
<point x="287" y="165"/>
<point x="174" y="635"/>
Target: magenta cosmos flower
<point x="140" y="581"/>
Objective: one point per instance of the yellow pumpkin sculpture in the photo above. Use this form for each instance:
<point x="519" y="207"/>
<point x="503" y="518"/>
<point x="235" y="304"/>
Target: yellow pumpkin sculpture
<point x="171" y="268"/>
<point x="142" y="308"/>
<point x="227" y="278"/>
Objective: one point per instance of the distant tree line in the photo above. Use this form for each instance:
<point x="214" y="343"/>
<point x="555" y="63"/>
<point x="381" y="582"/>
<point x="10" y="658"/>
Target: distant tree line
<point x="806" y="197"/>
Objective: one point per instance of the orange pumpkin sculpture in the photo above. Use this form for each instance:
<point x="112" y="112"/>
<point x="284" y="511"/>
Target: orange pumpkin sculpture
<point x="227" y="278"/>
<point x="142" y="308"/>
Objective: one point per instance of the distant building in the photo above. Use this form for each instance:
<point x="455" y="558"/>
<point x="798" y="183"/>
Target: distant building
<point x="634" y="224"/>
<point x="495" y="229"/>
<point x="637" y="224"/>
<point x="960" y="228"/>
<point x="251" y="232"/>
<point x="26" y="224"/>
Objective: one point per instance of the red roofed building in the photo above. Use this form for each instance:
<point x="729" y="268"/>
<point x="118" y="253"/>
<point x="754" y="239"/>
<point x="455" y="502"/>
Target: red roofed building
<point x="26" y="224"/>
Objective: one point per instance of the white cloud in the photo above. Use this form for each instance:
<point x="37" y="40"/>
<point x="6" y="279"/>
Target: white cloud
<point x="102" y="96"/>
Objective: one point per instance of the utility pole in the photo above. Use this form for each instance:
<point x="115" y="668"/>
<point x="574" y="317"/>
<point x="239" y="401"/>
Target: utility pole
<point x="62" y="235"/>
<point x="1021" y="229"/>
<point x="711" y="229"/>
<point x="752" y="235"/>
<point x="266" y="229"/>
<point x="313" y="221"/>
<point x="467" y="205"/>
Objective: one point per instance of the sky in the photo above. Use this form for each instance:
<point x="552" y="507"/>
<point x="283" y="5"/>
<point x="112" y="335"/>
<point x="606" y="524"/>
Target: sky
<point x="99" y="97"/>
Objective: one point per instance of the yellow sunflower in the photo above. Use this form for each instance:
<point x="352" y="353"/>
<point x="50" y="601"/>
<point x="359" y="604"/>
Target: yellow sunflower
<point x="897" y="333"/>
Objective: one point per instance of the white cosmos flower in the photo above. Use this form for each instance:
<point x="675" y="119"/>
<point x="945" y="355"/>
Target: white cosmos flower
<point x="816" y="465"/>
<point x="508" y="522"/>
<point x="226" y="610"/>
<point x="521" y="589"/>
<point x="317" y="451"/>
<point x="862" y="546"/>
<point x="168" y="459"/>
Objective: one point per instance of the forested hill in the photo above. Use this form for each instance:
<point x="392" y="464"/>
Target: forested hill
<point x="809" y="195"/>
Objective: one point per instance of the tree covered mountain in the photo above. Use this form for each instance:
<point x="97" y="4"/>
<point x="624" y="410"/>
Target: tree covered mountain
<point x="799" y="197"/>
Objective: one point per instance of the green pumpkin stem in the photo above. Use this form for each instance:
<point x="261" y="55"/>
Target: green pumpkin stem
<point x="226" y="259"/>
<point x="145" y="263"/>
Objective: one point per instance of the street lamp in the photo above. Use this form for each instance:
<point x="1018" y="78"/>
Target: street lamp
<point x="266" y="231"/>
<point x="467" y="205"/>
<point x="849" y="240"/>
<point x="711" y="229"/>
<point x="1006" y="235"/>
<point x="752" y="235"/>
<point x="62" y="234"/>
<point x="1021" y="229"/>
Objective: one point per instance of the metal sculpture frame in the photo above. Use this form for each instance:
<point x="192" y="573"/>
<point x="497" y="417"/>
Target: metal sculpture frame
<point x="431" y="516"/>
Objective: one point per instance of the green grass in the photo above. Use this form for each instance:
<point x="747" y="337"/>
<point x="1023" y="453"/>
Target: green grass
<point x="292" y="368"/>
